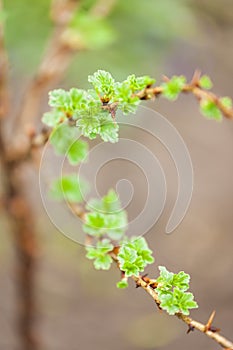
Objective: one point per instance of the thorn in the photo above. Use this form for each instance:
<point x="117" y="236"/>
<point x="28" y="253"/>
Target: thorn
<point x="214" y="329"/>
<point x="165" y="78"/>
<point x="196" y="77"/>
<point x="143" y="276"/>
<point x="190" y="328"/>
<point x="209" y="322"/>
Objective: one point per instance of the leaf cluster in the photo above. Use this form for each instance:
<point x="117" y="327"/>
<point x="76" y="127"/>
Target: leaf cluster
<point x="172" y="293"/>
<point x="70" y="188"/>
<point x="134" y="255"/>
<point x="105" y="217"/>
<point x="102" y="260"/>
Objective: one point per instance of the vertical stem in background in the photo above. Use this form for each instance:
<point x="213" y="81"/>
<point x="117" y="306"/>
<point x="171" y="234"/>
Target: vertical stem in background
<point x="23" y="227"/>
<point x="20" y="211"/>
<point x="20" y="217"/>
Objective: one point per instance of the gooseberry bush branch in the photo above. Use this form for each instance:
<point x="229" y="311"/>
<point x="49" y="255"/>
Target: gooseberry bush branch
<point x="93" y="113"/>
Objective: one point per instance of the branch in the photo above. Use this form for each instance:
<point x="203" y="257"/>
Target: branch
<point x="194" y="88"/>
<point x="208" y="330"/>
<point x="54" y="63"/>
<point x="60" y="51"/>
<point x="149" y="285"/>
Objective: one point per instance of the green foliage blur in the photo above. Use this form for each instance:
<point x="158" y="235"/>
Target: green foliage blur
<point x="133" y="38"/>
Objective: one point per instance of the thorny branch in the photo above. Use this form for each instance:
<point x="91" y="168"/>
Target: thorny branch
<point x="207" y="329"/>
<point x="194" y="88"/>
<point x="149" y="285"/>
<point x="55" y="62"/>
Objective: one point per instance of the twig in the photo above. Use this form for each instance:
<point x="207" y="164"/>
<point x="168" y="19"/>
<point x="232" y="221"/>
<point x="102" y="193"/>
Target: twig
<point x="148" y="285"/>
<point x="54" y="63"/>
<point x="225" y="343"/>
<point x="194" y="88"/>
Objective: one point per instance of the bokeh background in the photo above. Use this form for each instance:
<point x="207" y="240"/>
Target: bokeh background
<point x="79" y="307"/>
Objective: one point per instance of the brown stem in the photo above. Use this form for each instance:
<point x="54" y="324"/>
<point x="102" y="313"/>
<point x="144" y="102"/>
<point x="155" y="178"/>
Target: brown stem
<point x="225" y="343"/>
<point x="54" y="63"/>
<point x="56" y="60"/>
<point x="194" y="88"/>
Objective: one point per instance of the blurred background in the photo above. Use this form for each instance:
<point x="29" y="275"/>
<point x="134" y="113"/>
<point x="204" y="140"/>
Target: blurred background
<point x="78" y="307"/>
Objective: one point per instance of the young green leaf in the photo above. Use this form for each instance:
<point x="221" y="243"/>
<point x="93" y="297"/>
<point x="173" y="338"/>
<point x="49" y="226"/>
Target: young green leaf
<point x="59" y="98"/>
<point x="62" y="138"/>
<point x="111" y="219"/>
<point x="108" y="204"/>
<point x="109" y="131"/>
<point x="210" y="110"/>
<point x="69" y="188"/>
<point x="53" y="118"/>
<point x="139" y="83"/>
<point x="77" y="152"/>
<point x="89" y="126"/>
<point x="122" y="284"/>
<point x="171" y="292"/>
<point x="205" y="82"/>
<point x="95" y="224"/>
<point x="226" y="101"/>
<point x="102" y="260"/>
<point x="134" y="255"/>
<point x="127" y="103"/>
<point x="173" y="87"/>
<point x="103" y="83"/>
<point x="90" y="31"/>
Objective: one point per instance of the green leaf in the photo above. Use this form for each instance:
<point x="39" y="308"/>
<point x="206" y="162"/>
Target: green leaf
<point x="89" y="126"/>
<point x="53" y="118"/>
<point x="205" y="82"/>
<point x="184" y="301"/>
<point x="168" y="303"/>
<point x="143" y="251"/>
<point x="139" y="83"/>
<point x="181" y="280"/>
<point x="173" y="87"/>
<point x="122" y="284"/>
<point x="127" y="103"/>
<point x="67" y="101"/>
<point x="226" y="101"/>
<point x="102" y="260"/>
<point x="134" y="255"/>
<point x="69" y="188"/>
<point x="116" y="225"/>
<point x="91" y="32"/>
<point x="112" y="219"/>
<point x="127" y="253"/>
<point x="107" y="204"/>
<point x="103" y="83"/>
<point x="77" y="97"/>
<point x="62" y="138"/>
<point x="59" y="98"/>
<point x="210" y="110"/>
<point x="77" y="152"/>
<point x="109" y="131"/>
<point x="95" y="224"/>
<point x="165" y="280"/>
<point x="171" y="292"/>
